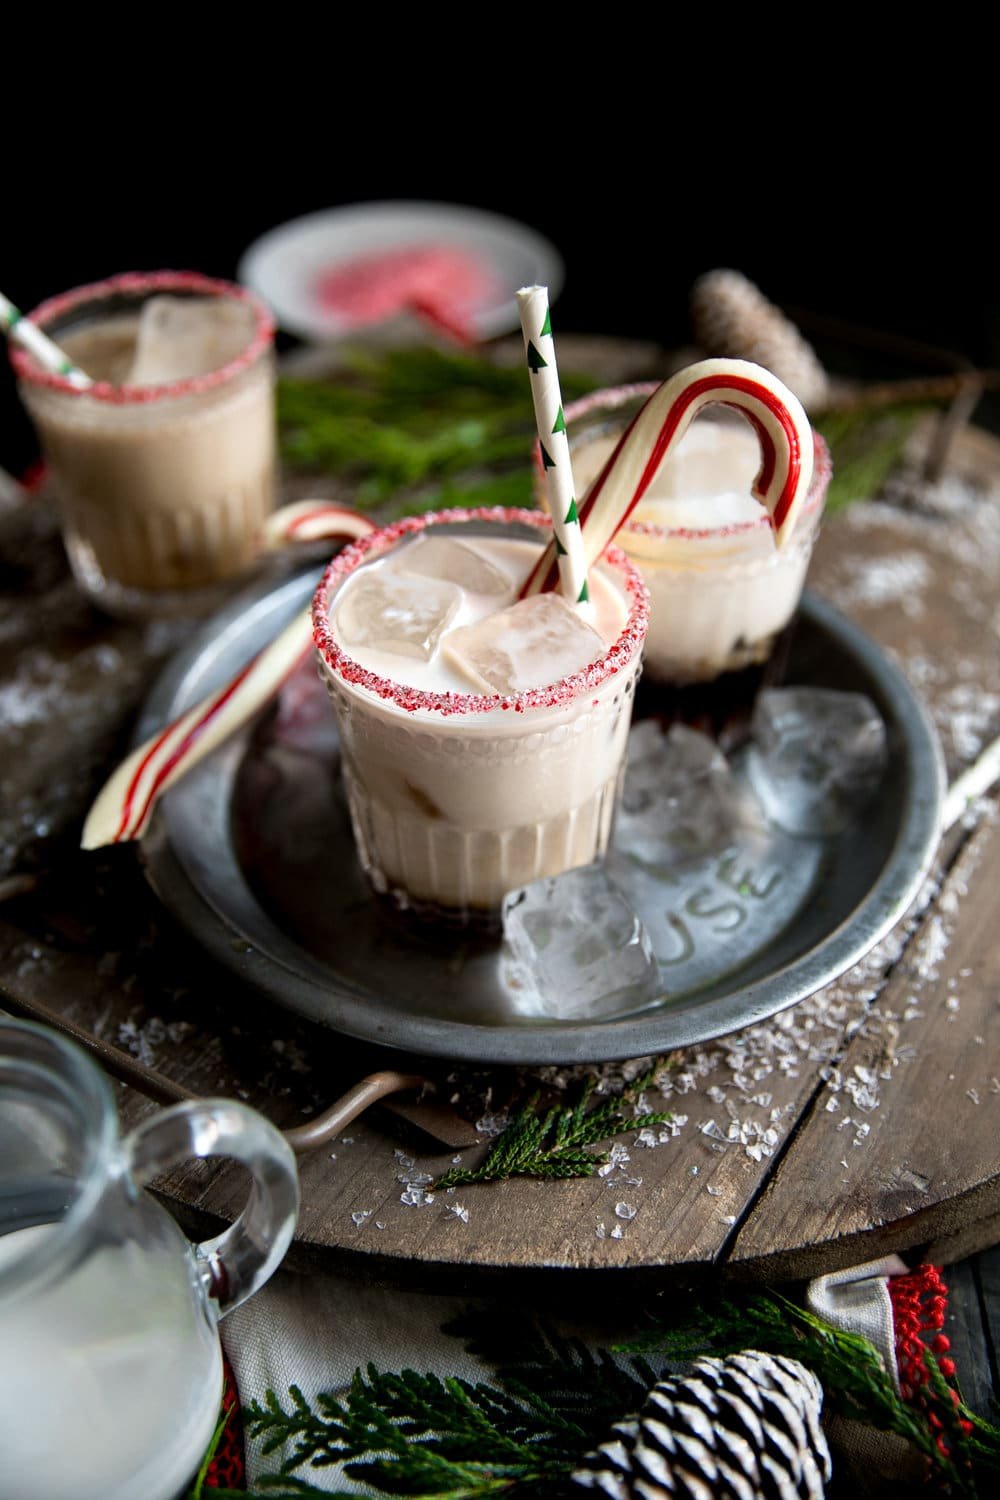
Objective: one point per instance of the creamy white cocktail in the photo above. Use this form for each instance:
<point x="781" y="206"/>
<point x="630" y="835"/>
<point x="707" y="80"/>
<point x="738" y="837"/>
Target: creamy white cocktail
<point x="720" y="591"/>
<point x="163" y="467"/>
<point x="482" y="735"/>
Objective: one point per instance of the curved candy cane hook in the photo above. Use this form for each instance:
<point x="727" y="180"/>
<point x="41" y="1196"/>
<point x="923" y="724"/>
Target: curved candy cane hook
<point x="776" y="415"/>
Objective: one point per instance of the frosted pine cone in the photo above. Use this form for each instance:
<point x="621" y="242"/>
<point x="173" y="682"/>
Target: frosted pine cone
<point x="741" y="1428"/>
<point x="733" y="318"/>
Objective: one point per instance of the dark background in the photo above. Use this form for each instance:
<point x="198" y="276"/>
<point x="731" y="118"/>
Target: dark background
<point x="902" y="242"/>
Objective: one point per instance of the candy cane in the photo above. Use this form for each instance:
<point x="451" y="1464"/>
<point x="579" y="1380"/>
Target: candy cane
<point x="776" y="415"/>
<point x="124" y="806"/>
<point x="311" y="521"/>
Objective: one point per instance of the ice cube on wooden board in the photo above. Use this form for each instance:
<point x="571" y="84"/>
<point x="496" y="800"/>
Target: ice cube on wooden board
<point x="533" y="642"/>
<point x="182" y="337"/>
<point x="395" y="613"/>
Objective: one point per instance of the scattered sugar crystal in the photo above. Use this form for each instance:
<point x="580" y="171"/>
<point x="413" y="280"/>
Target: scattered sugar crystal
<point x="972" y="1094"/>
<point x="404" y="1160"/>
<point x="531" y="643"/>
<point x="817" y="757"/>
<point x="181" y="337"/>
<point x="456" y="1161"/>
<point x="625" y="1211"/>
<point x="452" y="561"/>
<point x="713" y="1191"/>
<point x="680" y="799"/>
<point x="361" y="1216"/>
<point x="347" y="1140"/>
<point x="491" y="1125"/>
<point x="600" y="1232"/>
<point x="458" y="1211"/>
<point x="379" y="1223"/>
<point x="394" y="613"/>
<point x="415" y="1197"/>
<point x="728" y="1219"/>
<point x="574" y="948"/>
<point x="618" y="1232"/>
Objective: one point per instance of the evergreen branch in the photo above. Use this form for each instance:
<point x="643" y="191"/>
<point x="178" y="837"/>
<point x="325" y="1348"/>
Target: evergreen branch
<point x="418" y="1434"/>
<point x="554" y="1142"/>
<point x="865" y="446"/>
<point x="411" y="418"/>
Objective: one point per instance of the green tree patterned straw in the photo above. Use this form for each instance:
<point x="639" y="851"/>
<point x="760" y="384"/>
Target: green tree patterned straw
<point x="31" y="337"/>
<point x="533" y="305"/>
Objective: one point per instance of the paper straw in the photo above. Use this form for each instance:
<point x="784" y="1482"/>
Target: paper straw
<point x="533" y="305"/>
<point x="776" y="415"/>
<point x="31" y="337"/>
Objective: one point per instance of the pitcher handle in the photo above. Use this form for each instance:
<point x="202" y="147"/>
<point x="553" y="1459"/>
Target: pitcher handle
<point x="239" y="1261"/>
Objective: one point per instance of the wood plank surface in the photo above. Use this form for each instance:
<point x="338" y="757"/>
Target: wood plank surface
<point x="748" y="1181"/>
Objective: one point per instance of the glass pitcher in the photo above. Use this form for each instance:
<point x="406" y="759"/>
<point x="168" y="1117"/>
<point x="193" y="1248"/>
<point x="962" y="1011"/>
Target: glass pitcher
<point x="110" y="1363"/>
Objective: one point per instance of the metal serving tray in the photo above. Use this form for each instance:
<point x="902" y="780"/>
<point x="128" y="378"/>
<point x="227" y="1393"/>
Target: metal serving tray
<point x="253" y="853"/>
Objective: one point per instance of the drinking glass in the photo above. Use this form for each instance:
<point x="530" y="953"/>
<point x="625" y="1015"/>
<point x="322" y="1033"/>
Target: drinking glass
<point x="163" y="489"/>
<point x="455" y="799"/>
<point x="720" y="595"/>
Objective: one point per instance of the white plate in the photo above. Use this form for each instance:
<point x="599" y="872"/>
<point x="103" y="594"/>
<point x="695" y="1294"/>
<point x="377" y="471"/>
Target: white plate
<point x="284" y="266"/>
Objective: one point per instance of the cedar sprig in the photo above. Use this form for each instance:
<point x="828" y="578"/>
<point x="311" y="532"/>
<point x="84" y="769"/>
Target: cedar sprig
<point x="415" y="419"/>
<point x="555" y="1141"/>
<point x="417" y="1434"/>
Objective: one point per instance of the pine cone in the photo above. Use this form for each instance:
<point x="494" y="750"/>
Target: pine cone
<point x="733" y="318"/>
<point x="745" y="1427"/>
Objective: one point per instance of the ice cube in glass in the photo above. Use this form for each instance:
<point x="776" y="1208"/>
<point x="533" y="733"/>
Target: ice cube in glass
<point x="396" y="613"/>
<point x="452" y="561"/>
<point x="179" y="338"/>
<point x="536" y="641"/>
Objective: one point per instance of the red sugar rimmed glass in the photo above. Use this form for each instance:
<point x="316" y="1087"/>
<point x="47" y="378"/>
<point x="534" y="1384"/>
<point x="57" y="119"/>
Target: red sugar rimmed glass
<point x="720" y="596"/>
<point x="457" y="798"/>
<point x="163" y="488"/>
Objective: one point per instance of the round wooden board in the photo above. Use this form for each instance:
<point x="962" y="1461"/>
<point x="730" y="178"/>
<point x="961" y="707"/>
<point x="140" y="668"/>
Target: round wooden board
<point x="862" y="1121"/>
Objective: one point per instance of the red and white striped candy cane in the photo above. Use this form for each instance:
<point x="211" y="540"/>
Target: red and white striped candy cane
<point x="776" y="415"/>
<point x="124" y="806"/>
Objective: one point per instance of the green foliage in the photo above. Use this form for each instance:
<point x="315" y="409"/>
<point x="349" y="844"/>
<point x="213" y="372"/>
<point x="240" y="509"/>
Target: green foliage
<point x="554" y="1142"/>
<point x="416" y="1434"/>
<point x="865" y="447"/>
<point x="414" y="420"/>
<point x="553" y="1400"/>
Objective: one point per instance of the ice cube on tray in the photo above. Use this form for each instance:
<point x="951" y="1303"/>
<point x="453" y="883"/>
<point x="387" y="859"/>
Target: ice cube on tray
<point x="817" y="757"/>
<point x="573" y="948"/>
<point x="680" y="799"/>
<point x="533" y="642"/>
<point x="454" y="562"/>
<point x="396" y="613"/>
<point x="182" y="337"/>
